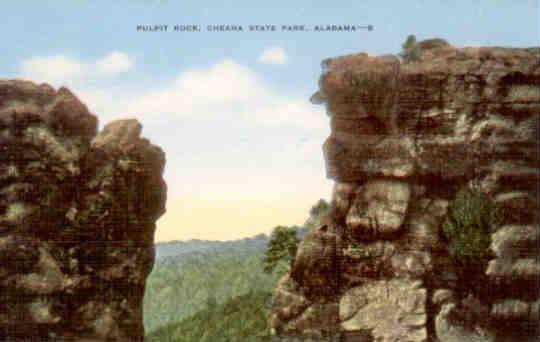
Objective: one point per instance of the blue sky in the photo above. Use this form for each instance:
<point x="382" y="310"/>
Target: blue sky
<point x="230" y="109"/>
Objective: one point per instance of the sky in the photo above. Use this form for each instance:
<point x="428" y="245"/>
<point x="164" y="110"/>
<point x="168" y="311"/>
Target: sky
<point x="231" y="109"/>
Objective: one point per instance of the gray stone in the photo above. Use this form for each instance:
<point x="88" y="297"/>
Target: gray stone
<point x="342" y="197"/>
<point x="293" y="314"/>
<point x="515" y="309"/>
<point x="516" y="269"/>
<point x="442" y="296"/>
<point x="449" y="331"/>
<point x="392" y="310"/>
<point x="411" y="263"/>
<point x="513" y="241"/>
<point x="315" y="264"/>
<point x="380" y="208"/>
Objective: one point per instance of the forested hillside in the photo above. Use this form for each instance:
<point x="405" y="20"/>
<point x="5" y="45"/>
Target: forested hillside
<point x="183" y="285"/>
<point x="195" y="281"/>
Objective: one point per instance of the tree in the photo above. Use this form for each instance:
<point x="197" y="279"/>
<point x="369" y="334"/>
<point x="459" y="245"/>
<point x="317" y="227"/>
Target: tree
<point x="472" y="218"/>
<point x="410" y="49"/>
<point x="319" y="209"/>
<point x="317" y="212"/>
<point x="211" y="301"/>
<point x="281" y="249"/>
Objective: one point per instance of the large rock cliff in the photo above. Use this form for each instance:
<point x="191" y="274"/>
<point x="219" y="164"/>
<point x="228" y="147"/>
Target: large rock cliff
<point x="406" y="137"/>
<point x="77" y="219"/>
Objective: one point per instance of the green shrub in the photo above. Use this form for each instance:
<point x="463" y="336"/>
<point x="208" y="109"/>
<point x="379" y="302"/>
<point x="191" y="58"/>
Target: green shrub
<point x="281" y="249"/>
<point x="316" y="214"/>
<point x="471" y="219"/>
<point x="410" y="49"/>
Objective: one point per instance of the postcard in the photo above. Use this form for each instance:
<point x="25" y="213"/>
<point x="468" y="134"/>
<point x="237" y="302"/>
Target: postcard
<point x="232" y="170"/>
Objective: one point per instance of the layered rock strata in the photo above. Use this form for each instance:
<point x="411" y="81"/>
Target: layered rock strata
<point x="405" y="138"/>
<point x="77" y="219"/>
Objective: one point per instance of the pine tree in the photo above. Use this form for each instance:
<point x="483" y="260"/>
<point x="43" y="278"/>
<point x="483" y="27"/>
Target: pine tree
<point x="410" y="49"/>
<point x="317" y="212"/>
<point x="281" y="248"/>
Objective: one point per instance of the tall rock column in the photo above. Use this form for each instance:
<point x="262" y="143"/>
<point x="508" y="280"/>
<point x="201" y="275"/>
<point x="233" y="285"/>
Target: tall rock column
<point x="406" y="137"/>
<point x="77" y="219"/>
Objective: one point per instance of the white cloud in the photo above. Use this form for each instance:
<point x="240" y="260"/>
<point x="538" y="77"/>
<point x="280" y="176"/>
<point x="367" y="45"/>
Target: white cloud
<point x="113" y="63"/>
<point x="471" y="44"/>
<point x="61" y="70"/>
<point x="273" y="55"/>
<point x="201" y="92"/>
<point x="226" y="90"/>
<point x="53" y="69"/>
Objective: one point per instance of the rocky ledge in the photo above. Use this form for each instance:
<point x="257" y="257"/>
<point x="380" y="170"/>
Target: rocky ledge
<point x="406" y="137"/>
<point x="77" y="218"/>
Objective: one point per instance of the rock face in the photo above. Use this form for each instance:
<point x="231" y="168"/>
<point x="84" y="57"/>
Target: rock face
<point x="77" y="218"/>
<point x="405" y="138"/>
<point x="392" y="310"/>
<point x="379" y="208"/>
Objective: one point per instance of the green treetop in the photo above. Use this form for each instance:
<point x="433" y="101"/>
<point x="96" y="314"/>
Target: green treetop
<point x="410" y="49"/>
<point x="281" y="249"/>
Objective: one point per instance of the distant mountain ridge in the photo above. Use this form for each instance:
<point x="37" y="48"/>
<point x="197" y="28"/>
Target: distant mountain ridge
<point x="179" y="248"/>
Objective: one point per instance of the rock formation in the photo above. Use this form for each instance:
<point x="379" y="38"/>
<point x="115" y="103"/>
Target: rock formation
<point x="405" y="138"/>
<point x="77" y="219"/>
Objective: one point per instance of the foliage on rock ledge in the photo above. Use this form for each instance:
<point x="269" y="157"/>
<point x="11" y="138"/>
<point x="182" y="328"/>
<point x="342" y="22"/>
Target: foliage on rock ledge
<point x="281" y="249"/>
<point x="471" y="219"/>
<point x="284" y="241"/>
<point x="317" y="213"/>
<point x="411" y="49"/>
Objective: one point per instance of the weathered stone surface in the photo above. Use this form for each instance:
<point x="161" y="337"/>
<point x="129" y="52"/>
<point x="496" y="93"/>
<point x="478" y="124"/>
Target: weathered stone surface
<point x="523" y="268"/>
<point x="391" y="310"/>
<point x="514" y="241"/>
<point x="295" y="315"/>
<point x="451" y="327"/>
<point x="288" y="302"/>
<point x="412" y="263"/>
<point x="342" y="197"/>
<point x="379" y="208"/>
<point x="364" y="261"/>
<point x="514" y="309"/>
<point x="77" y="218"/>
<point x="442" y="296"/>
<point x="316" y="265"/>
<point x="519" y="207"/>
<point x="405" y="138"/>
<point x="424" y="224"/>
<point x="452" y="114"/>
